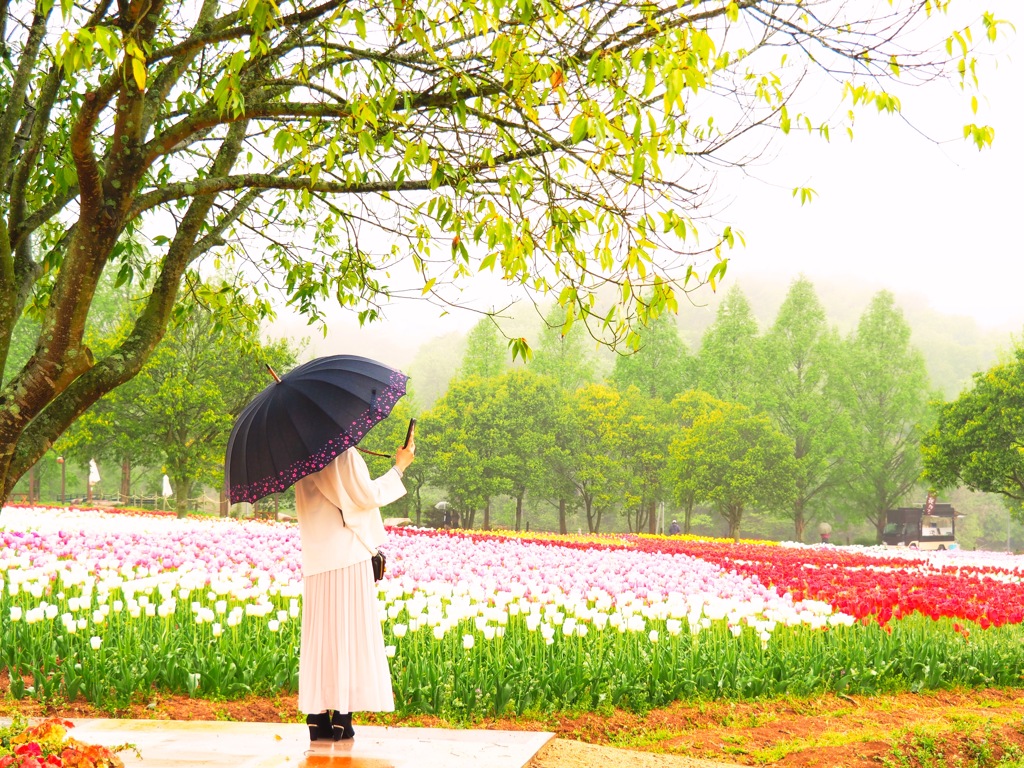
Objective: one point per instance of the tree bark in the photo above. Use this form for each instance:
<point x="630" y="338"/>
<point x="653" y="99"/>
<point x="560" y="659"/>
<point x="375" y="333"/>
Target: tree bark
<point x="126" y="480"/>
<point x="733" y="514"/>
<point x="652" y="517"/>
<point x="182" y="488"/>
<point x="799" y="521"/>
<point x="33" y="489"/>
<point x="487" y="514"/>
<point x="641" y="517"/>
<point x="592" y="523"/>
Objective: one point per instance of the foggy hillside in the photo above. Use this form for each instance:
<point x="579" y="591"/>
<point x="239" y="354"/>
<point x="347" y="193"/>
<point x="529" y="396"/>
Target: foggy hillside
<point x="430" y="347"/>
<point x="954" y="347"/>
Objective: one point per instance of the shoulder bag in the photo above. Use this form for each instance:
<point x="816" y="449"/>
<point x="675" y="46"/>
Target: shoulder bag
<point x="377" y="558"/>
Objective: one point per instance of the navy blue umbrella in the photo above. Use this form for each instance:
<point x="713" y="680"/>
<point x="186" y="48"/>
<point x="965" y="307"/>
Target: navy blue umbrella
<point x="301" y="422"/>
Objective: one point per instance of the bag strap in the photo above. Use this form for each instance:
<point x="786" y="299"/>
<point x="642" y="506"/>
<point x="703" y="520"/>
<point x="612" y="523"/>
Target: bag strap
<point x="356" y="534"/>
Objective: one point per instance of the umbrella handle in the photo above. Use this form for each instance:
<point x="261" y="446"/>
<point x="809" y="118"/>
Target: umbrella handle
<point x="273" y="373"/>
<point x="374" y="453"/>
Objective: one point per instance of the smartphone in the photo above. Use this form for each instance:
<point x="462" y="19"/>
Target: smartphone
<point x="411" y="432"/>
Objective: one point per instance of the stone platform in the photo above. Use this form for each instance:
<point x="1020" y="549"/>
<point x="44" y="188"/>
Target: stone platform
<point x="166" y="743"/>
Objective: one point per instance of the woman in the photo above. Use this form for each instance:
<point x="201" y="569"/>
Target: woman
<point x="342" y="664"/>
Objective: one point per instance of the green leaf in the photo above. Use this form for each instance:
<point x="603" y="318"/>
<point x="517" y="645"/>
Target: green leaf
<point x="520" y="349"/>
<point x="578" y="127"/>
<point x="639" y="165"/>
<point x="489" y="261"/>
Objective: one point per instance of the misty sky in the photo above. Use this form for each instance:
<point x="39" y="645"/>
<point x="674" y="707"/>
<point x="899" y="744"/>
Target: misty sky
<point x="908" y="205"/>
<point x="897" y="208"/>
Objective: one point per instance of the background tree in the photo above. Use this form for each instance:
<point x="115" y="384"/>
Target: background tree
<point x="681" y="413"/>
<point x="110" y="444"/>
<point x="185" y="400"/>
<point x="520" y="427"/>
<point x="556" y="148"/>
<point x="883" y="388"/>
<point x="559" y="478"/>
<point x="661" y="366"/>
<point x="486" y="355"/>
<point x="799" y="354"/>
<point x="728" y="364"/>
<point x="562" y="353"/>
<point x="645" y="432"/>
<point x="454" y="446"/>
<point x="978" y="439"/>
<point x="596" y="470"/>
<point x="736" y="459"/>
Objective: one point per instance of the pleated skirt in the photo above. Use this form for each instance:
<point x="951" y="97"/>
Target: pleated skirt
<point x="342" y="662"/>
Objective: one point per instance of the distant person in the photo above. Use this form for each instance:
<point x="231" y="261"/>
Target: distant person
<point x="674" y="529"/>
<point x="825" y="532"/>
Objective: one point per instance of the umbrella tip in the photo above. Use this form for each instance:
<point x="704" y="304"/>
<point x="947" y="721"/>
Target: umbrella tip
<point x="273" y="373"/>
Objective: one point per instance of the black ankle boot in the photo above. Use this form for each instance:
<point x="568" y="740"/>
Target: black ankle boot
<point x="319" y="726"/>
<point x="342" y="726"/>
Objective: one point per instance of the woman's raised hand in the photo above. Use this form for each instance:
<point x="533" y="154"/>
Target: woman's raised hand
<point x="404" y="456"/>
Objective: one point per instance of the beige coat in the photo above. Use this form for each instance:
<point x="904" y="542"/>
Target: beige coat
<point x="343" y="484"/>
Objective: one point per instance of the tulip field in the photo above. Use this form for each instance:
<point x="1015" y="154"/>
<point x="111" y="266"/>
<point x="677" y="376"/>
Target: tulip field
<point x="110" y="606"/>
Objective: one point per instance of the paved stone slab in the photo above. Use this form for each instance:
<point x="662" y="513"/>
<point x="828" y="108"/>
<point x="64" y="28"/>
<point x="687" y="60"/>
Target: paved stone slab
<point x="166" y="743"/>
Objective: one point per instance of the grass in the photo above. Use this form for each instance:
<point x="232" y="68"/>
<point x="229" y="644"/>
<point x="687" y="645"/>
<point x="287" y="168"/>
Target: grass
<point x="963" y="742"/>
<point x="782" y="749"/>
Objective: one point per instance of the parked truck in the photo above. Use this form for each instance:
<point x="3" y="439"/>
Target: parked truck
<point x="930" y="526"/>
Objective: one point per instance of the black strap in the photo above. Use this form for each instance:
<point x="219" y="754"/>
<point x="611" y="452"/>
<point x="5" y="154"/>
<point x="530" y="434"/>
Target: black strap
<point x="373" y="453"/>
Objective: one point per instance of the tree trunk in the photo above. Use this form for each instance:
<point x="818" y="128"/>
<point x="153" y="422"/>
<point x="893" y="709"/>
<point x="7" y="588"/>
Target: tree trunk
<point x="799" y="520"/>
<point x="126" y="480"/>
<point x="687" y="515"/>
<point x="519" y="512"/>
<point x="487" y="514"/>
<point x="224" y="506"/>
<point x="592" y="524"/>
<point x="561" y="517"/>
<point x="182" y="487"/>
<point x="733" y="515"/>
<point x="652" y="517"/>
<point x="641" y="518"/>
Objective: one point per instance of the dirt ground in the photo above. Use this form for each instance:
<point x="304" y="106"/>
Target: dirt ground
<point x="972" y="729"/>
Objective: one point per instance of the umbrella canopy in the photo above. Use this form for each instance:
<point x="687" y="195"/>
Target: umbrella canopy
<point x="299" y="424"/>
